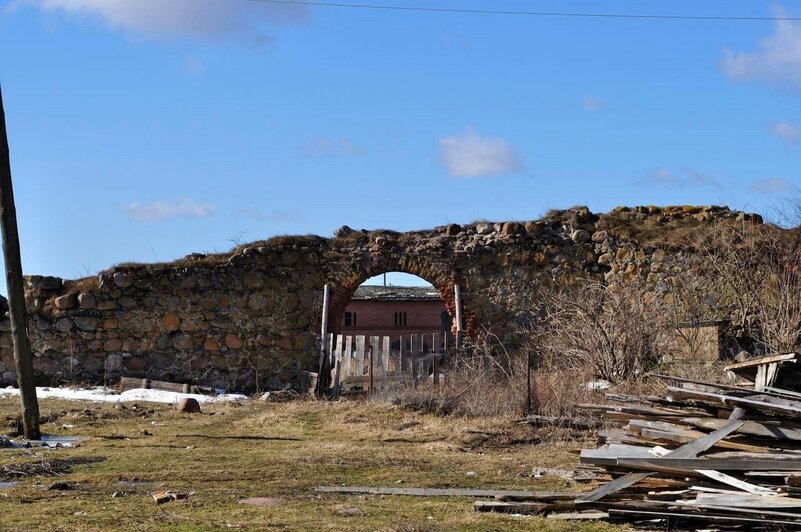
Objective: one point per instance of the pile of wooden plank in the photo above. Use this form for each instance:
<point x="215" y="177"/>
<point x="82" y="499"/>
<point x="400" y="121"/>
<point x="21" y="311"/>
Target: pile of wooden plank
<point x="703" y="454"/>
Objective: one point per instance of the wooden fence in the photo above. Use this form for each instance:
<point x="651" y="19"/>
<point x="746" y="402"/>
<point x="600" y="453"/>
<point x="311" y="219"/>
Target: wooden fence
<point x="367" y="363"/>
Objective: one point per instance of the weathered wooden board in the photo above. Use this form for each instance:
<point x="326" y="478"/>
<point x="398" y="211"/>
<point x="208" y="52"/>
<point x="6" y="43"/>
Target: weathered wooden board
<point x="685" y="464"/>
<point x="785" y="407"/>
<point x="751" y="428"/>
<point x="451" y="492"/>
<point x="686" y="450"/>
<point x="525" y="508"/>
<point x="664" y="514"/>
<point x="130" y="383"/>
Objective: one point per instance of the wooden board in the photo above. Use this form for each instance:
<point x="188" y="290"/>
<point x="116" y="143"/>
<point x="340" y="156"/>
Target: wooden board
<point x="129" y="383"/>
<point x="727" y="464"/>
<point x="524" y="508"/>
<point x="451" y="492"/>
<point x="685" y="451"/>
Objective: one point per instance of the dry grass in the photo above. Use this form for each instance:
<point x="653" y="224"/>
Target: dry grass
<point x="281" y="451"/>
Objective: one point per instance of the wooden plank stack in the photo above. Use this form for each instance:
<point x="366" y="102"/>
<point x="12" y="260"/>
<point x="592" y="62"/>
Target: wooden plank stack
<point x="704" y="455"/>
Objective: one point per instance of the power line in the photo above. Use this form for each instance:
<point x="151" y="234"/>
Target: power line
<point x="388" y="7"/>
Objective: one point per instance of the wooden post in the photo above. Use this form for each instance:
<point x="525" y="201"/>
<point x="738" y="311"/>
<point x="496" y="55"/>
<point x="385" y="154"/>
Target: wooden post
<point x="339" y="357"/>
<point x="374" y="353"/>
<point x="434" y="353"/>
<point x="413" y="349"/>
<point x="457" y="296"/>
<point x="322" y="382"/>
<point x="528" y="383"/>
<point x="385" y="347"/>
<point x="370" y="370"/>
<point x="403" y="358"/>
<point x="16" y="293"/>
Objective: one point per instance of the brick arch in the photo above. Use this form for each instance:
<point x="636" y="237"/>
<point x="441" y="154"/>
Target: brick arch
<point x="441" y="277"/>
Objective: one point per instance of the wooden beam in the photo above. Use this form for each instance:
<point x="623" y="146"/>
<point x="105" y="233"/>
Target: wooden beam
<point x="451" y="492"/>
<point x="688" y="450"/>
<point x="16" y="292"/>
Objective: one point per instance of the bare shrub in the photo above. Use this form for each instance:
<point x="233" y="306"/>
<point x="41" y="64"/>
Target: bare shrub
<point x="611" y="330"/>
<point x="735" y="256"/>
<point x="778" y="314"/>
<point x="757" y="270"/>
<point x="484" y="379"/>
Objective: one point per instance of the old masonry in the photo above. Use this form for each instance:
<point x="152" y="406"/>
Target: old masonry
<point x="252" y="316"/>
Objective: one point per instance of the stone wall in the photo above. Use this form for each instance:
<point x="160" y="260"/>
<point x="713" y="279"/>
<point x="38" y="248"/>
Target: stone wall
<point x="249" y="318"/>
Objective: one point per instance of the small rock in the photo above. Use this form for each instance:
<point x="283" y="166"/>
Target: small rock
<point x="87" y="300"/>
<point x="533" y="228"/>
<point x="117" y="494"/>
<point x="484" y="229"/>
<point x="122" y="280"/>
<point x="580" y="235"/>
<point x="61" y="486"/>
<point x="262" y="502"/>
<point x="348" y="511"/>
<point x="453" y="229"/>
<point x="65" y="302"/>
<point x="343" y="231"/>
<point x="189" y="405"/>
<point x="47" y="283"/>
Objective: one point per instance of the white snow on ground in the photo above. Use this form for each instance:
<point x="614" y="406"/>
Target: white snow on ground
<point x="108" y="395"/>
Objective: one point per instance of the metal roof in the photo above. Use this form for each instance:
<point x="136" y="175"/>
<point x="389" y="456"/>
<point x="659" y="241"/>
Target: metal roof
<point x="396" y="293"/>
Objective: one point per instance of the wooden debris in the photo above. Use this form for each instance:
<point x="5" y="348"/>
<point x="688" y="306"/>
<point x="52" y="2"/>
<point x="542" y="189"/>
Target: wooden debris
<point x="742" y="471"/>
<point x="525" y="508"/>
<point x="130" y="383"/>
<point x="161" y="497"/>
<point x="451" y="492"/>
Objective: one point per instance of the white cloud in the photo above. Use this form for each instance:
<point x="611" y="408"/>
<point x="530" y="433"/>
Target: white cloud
<point x="592" y="103"/>
<point x="291" y="216"/>
<point x="777" y="59"/>
<point x="696" y="178"/>
<point x="204" y="19"/>
<point x="788" y="132"/>
<point x="662" y="177"/>
<point x="324" y="146"/>
<point x="472" y="155"/>
<point x="159" y="211"/>
<point x="773" y="185"/>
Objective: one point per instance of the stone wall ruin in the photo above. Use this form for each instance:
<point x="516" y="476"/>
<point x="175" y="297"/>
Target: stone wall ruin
<point x="250" y="318"/>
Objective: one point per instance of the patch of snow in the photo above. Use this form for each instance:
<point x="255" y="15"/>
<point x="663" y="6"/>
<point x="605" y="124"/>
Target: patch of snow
<point x="107" y="395"/>
<point x="598" y="385"/>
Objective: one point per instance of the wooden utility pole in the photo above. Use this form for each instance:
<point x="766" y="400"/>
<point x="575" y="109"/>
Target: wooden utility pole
<point x="16" y="294"/>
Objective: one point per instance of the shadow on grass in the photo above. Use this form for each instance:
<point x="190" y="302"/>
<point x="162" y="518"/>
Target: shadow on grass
<point x="261" y="438"/>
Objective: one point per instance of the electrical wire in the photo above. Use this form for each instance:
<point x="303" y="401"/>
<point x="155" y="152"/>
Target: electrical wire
<point x="389" y="7"/>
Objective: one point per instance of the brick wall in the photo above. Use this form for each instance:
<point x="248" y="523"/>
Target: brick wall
<point x="377" y="318"/>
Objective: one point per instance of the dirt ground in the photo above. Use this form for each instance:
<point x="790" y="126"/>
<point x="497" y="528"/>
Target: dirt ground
<point x="276" y="451"/>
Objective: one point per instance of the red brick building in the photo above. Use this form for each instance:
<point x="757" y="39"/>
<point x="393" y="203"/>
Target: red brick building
<point x="396" y="311"/>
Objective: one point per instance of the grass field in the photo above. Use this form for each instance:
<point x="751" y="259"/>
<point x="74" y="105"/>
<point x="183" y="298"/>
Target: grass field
<point x="276" y="450"/>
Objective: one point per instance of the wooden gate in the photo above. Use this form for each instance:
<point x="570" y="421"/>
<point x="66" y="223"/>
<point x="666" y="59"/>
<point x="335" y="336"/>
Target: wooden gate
<point x="367" y="363"/>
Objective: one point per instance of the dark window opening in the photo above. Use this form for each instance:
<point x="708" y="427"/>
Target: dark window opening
<point x="350" y="319"/>
<point x="400" y="319"/>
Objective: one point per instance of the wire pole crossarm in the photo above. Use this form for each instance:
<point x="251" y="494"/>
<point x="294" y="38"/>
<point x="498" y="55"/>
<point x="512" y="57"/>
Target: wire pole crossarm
<point x="16" y="293"/>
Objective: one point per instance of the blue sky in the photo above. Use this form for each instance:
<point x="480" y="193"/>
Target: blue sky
<point x="144" y="130"/>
